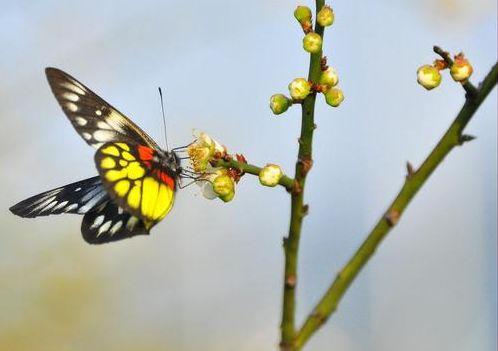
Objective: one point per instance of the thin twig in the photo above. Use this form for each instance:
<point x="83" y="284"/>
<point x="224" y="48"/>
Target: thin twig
<point x="285" y="181"/>
<point x="298" y="209"/>
<point x="452" y="138"/>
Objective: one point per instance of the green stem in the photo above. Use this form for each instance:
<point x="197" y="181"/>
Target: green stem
<point x="285" y="181"/>
<point x="298" y="209"/>
<point x="414" y="181"/>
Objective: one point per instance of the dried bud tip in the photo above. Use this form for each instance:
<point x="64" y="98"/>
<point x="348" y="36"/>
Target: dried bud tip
<point x="440" y="64"/>
<point x="428" y="76"/>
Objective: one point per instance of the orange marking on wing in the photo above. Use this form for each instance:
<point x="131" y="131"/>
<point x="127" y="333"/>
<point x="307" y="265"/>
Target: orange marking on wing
<point x="145" y="153"/>
<point x="166" y="179"/>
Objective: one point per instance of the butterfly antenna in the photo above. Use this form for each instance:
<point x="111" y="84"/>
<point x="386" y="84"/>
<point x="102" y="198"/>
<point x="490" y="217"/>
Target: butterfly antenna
<point x="164" y="118"/>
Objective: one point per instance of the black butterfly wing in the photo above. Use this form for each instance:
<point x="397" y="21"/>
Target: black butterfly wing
<point x="103" y="220"/>
<point x="77" y="197"/>
<point x="108" y="222"/>
<point x="94" y="119"/>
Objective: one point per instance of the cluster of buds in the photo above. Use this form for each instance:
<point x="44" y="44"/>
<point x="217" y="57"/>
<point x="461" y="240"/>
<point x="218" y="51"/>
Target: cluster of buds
<point x="215" y="182"/>
<point x="300" y="88"/>
<point x="429" y="76"/>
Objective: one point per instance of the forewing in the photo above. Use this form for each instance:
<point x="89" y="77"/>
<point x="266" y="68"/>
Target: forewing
<point x="107" y="222"/>
<point x="132" y="182"/>
<point x="77" y="197"/>
<point x="94" y="119"/>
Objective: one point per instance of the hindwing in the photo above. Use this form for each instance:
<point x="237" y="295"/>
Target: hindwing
<point x="133" y="183"/>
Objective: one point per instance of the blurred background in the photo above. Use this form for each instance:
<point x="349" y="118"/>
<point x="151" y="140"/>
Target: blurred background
<point x="209" y="277"/>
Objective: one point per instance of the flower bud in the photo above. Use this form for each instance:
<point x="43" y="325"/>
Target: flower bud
<point x="329" y="77"/>
<point x="270" y="175"/>
<point x="299" y="88"/>
<point x="334" y="97"/>
<point x="461" y="69"/>
<point x="279" y="103"/>
<point x="325" y="16"/>
<point x="223" y="185"/>
<point x="428" y="76"/>
<point x="302" y="14"/>
<point x="229" y="197"/>
<point x="312" y="43"/>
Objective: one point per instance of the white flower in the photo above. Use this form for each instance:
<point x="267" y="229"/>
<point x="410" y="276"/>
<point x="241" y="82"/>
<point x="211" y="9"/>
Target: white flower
<point x="203" y="150"/>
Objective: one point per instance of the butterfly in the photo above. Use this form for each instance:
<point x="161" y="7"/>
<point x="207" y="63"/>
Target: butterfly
<point x="137" y="180"/>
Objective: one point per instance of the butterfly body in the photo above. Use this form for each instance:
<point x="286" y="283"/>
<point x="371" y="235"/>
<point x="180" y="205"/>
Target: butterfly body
<point x="137" y="180"/>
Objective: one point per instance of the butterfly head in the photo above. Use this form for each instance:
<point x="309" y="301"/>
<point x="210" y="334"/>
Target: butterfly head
<point x="169" y="161"/>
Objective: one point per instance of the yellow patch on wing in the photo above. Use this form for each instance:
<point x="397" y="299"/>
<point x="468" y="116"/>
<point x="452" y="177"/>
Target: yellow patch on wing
<point x="134" y="197"/>
<point x="111" y="150"/>
<point x="107" y="163"/>
<point x="114" y="175"/>
<point x="127" y="156"/>
<point x="135" y="170"/>
<point x="122" y="187"/>
<point x="123" y="146"/>
<point x="157" y="199"/>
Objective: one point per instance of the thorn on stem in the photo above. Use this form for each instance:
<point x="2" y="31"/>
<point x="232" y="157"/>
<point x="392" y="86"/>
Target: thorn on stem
<point x="285" y="240"/>
<point x="392" y="217"/>
<point x="464" y="138"/>
<point x="306" y="209"/>
<point x="409" y="170"/>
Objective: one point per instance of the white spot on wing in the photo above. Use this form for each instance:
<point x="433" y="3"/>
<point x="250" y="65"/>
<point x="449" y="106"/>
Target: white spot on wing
<point x="103" y="135"/>
<point x="98" y="112"/>
<point x="116" y="227"/>
<point x="77" y="189"/>
<point x="86" y="136"/>
<point x="49" y="206"/>
<point x="76" y="89"/>
<point x="80" y="121"/>
<point x="71" y="97"/>
<point x="71" y="207"/>
<point x="60" y="205"/>
<point x="98" y="221"/>
<point x="104" y="227"/>
<point x="71" y="106"/>
<point x="43" y="204"/>
<point x="131" y="223"/>
<point x="103" y="125"/>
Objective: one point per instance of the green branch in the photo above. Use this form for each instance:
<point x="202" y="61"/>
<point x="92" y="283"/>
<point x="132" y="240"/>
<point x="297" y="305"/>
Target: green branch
<point x="298" y="209"/>
<point x="414" y="181"/>
<point x="285" y="181"/>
